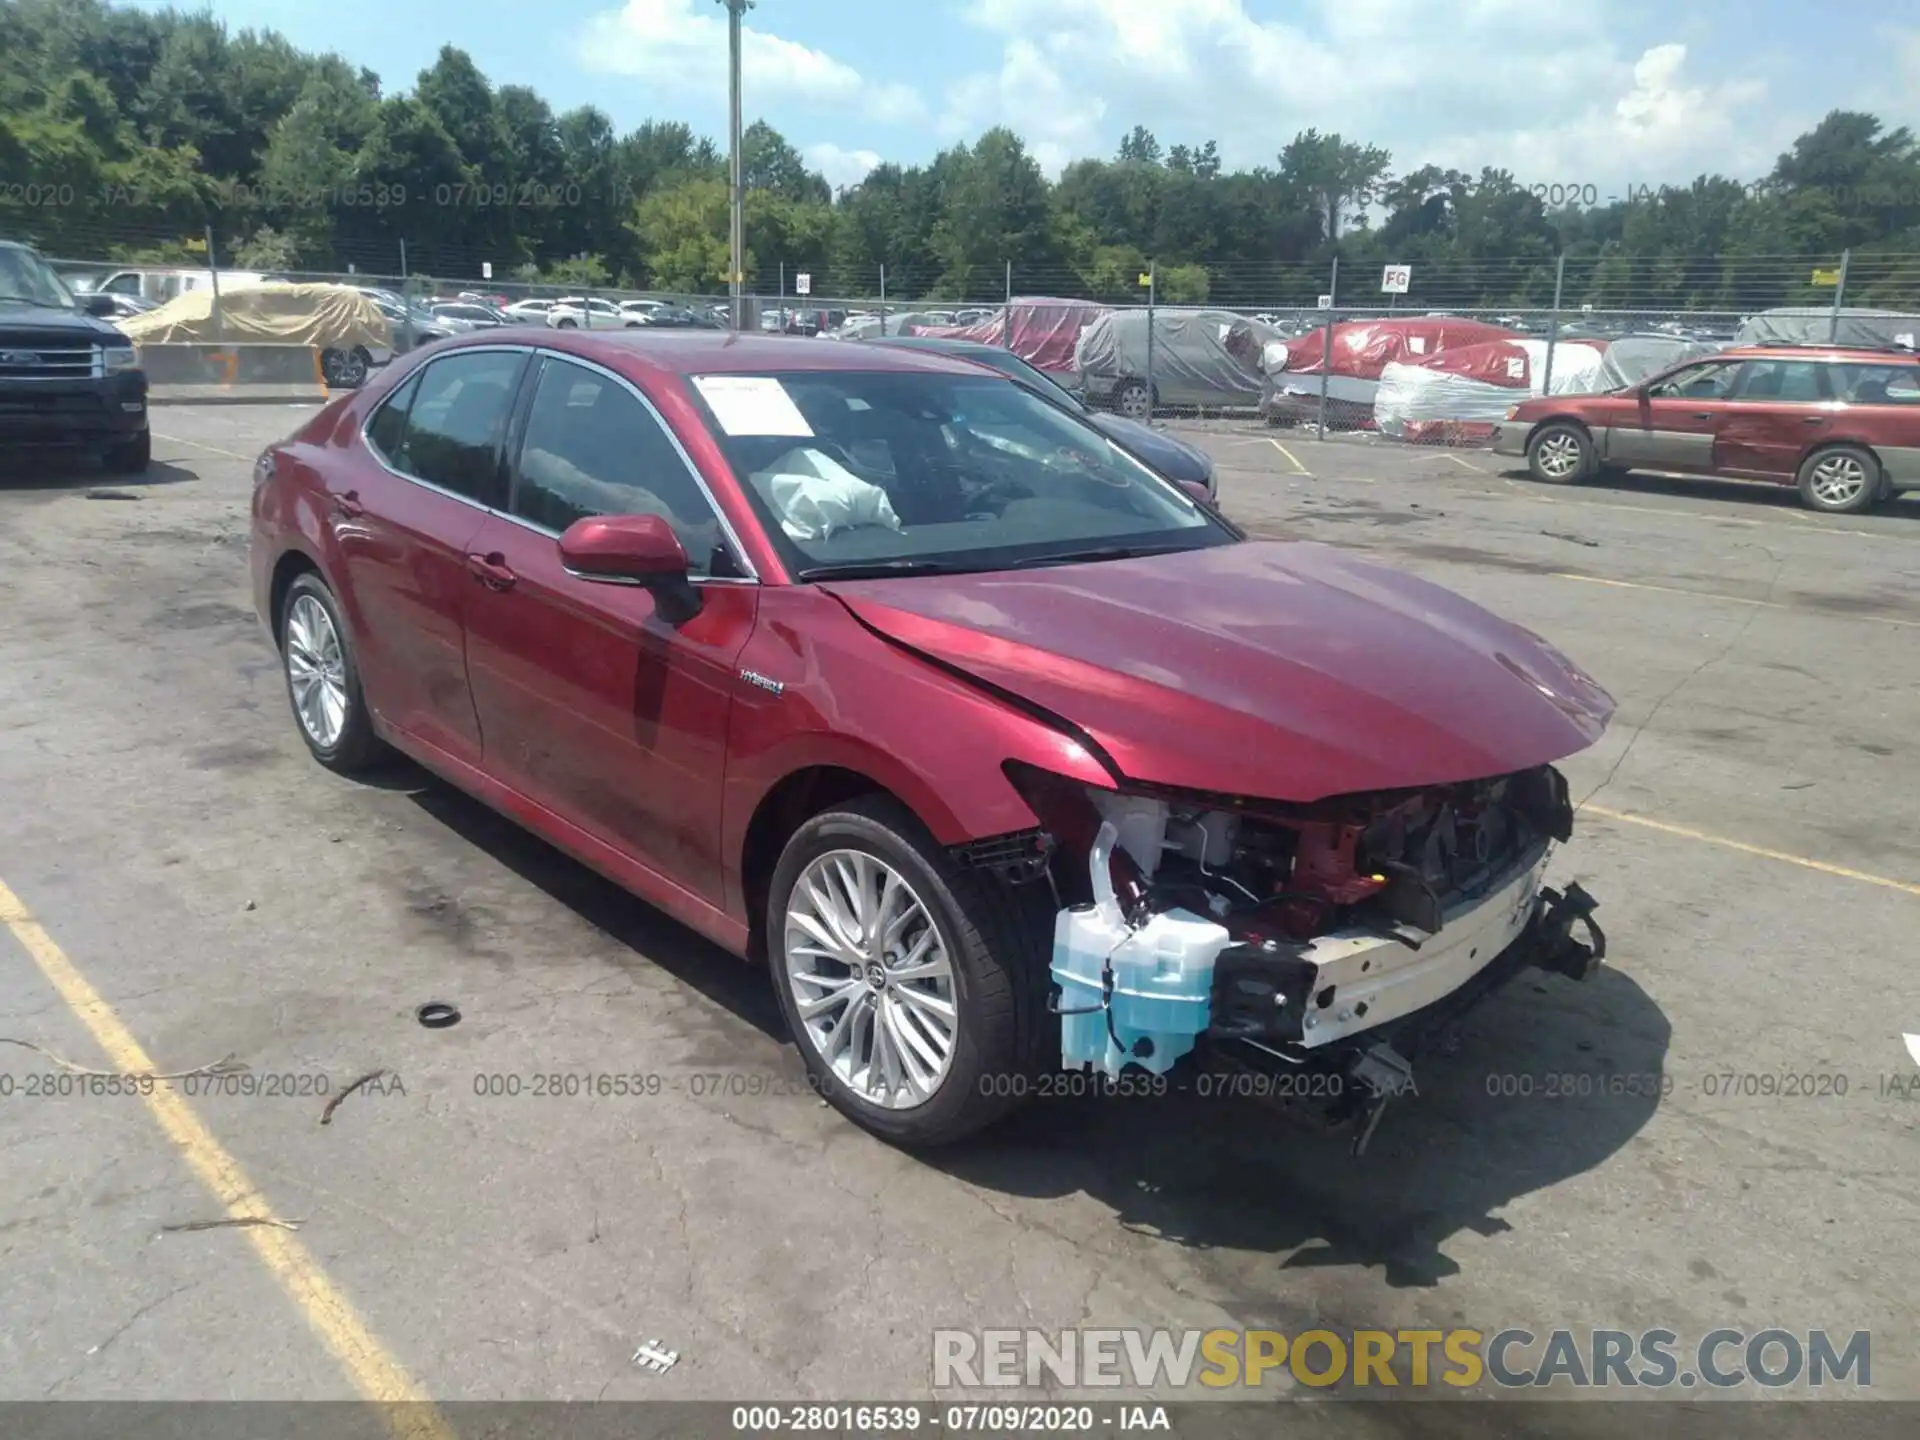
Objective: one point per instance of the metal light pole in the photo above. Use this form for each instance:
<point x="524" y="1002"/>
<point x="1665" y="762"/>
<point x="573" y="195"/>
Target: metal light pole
<point x="737" y="262"/>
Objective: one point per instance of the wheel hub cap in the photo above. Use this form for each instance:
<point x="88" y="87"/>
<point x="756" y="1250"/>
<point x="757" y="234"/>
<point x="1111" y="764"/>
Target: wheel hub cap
<point x="316" y="671"/>
<point x="871" y="979"/>
<point x="1838" y="479"/>
<point x="1559" y="455"/>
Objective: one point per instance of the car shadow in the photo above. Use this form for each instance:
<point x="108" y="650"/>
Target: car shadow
<point x="1545" y="1081"/>
<point x="1549" y="1080"/>
<point x="1904" y="506"/>
<point x="62" y="471"/>
<point x="654" y="937"/>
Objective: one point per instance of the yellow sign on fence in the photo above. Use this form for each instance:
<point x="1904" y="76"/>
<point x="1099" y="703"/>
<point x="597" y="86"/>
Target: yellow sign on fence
<point x="1826" y="277"/>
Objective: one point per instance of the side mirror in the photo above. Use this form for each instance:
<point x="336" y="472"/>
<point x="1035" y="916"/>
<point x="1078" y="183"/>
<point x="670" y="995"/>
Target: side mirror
<point x="639" y="550"/>
<point x="1197" y="492"/>
<point x="624" y="550"/>
<point x="98" y="304"/>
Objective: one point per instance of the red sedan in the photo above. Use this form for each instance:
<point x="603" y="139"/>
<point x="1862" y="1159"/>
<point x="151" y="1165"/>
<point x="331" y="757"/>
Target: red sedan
<point x="1003" y="752"/>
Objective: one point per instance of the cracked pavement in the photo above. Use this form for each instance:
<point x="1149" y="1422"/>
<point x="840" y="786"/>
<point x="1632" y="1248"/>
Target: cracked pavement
<point x="227" y="896"/>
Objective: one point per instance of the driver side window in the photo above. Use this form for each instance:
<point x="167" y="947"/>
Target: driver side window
<point x="1710" y="381"/>
<point x="591" y="448"/>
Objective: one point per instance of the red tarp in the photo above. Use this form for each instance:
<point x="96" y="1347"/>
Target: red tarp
<point x="1044" y="331"/>
<point x="1363" y="348"/>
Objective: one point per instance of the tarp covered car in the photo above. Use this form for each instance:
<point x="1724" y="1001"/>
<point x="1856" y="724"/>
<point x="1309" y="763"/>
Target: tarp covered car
<point x="1362" y="350"/>
<point x="1043" y="332"/>
<point x="349" y="330"/>
<point x="1460" y="394"/>
<point x="1633" y="358"/>
<point x="1200" y="358"/>
<point x="1814" y="325"/>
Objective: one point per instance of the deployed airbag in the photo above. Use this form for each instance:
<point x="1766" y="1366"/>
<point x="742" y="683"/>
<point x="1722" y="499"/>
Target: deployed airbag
<point x="815" y="497"/>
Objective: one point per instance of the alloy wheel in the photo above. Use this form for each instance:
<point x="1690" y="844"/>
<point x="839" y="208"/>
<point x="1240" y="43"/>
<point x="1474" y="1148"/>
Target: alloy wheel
<point x="1837" y="481"/>
<point x="316" y="671"/>
<point x="1559" y="455"/>
<point x="1136" y="403"/>
<point x="871" y="979"/>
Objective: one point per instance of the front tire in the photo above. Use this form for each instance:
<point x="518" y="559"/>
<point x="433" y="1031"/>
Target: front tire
<point x="130" y="457"/>
<point x="915" y="991"/>
<point x="323" y="679"/>
<point x="1839" y="480"/>
<point x="565" y="325"/>
<point x="1560" y="454"/>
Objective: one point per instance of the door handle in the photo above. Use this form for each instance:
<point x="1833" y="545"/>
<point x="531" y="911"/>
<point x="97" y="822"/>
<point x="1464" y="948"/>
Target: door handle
<point x="347" y="503"/>
<point x="1813" y="419"/>
<point x="1703" y="414"/>
<point x="491" y="571"/>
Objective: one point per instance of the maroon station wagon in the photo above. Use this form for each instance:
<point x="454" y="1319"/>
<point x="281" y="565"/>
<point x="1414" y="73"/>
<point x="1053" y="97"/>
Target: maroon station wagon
<point x="1004" y="753"/>
<point x="1841" y="424"/>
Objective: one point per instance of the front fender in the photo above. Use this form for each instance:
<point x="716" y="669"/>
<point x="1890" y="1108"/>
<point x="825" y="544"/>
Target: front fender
<point x="849" y="699"/>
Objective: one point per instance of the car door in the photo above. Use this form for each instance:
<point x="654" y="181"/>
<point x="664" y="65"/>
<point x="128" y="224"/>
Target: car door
<point x="593" y="704"/>
<point x="1671" y="424"/>
<point x="404" y="527"/>
<point x="1778" y="409"/>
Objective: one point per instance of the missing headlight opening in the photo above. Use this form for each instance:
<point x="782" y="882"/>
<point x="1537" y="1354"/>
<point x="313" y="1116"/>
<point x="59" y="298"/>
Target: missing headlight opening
<point x="1333" y="937"/>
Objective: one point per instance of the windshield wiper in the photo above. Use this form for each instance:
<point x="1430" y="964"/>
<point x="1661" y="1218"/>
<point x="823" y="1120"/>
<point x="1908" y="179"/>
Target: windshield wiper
<point x="1104" y="552"/>
<point x="880" y="569"/>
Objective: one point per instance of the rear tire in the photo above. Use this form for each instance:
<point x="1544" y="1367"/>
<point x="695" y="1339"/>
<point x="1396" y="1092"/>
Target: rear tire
<point x="323" y="679"/>
<point x="130" y="457"/>
<point x="987" y="941"/>
<point x="1560" y="454"/>
<point x="1134" y="401"/>
<point x="1840" y="480"/>
<point x="345" y="369"/>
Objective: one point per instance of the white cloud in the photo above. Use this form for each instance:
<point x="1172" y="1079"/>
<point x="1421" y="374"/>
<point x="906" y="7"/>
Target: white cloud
<point x="681" y="46"/>
<point x="841" y="167"/>
<point x="1550" y="92"/>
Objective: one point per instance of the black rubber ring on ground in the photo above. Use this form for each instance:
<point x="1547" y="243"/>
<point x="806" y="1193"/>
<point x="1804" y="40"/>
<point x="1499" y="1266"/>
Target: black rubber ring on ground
<point x="437" y="1015"/>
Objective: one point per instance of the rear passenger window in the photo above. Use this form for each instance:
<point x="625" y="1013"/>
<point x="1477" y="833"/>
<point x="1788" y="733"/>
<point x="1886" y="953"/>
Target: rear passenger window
<point x="455" y="420"/>
<point x="1789" y="381"/>
<point x="1877" y="384"/>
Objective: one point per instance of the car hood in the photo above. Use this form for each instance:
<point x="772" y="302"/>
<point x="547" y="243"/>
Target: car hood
<point x="57" y="323"/>
<point x="1173" y="458"/>
<point x="1277" y="670"/>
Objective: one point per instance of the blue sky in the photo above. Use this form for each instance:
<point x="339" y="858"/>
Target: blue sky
<point x="1602" y="95"/>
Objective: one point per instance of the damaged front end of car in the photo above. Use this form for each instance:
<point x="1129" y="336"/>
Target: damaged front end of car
<point x="1317" y="949"/>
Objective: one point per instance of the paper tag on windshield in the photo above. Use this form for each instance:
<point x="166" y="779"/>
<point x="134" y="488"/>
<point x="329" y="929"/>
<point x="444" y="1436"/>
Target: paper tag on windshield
<point x="752" y="405"/>
<point x="1417" y="344"/>
<point x="1516" y="368"/>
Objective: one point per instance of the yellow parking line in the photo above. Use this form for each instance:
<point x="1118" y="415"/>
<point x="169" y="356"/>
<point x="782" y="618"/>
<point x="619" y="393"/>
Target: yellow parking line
<point x="1291" y="457"/>
<point x="1730" y="599"/>
<point x="375" y="1374"/>
<point x="211" y="449"/>
<point x="1687" y="833"/>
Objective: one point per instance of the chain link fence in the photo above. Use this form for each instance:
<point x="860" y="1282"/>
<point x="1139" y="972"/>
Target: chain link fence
<point x="1436" y="359"/>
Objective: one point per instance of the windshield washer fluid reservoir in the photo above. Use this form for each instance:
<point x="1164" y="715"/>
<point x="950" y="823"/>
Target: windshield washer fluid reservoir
<point x="1161" y="978"/>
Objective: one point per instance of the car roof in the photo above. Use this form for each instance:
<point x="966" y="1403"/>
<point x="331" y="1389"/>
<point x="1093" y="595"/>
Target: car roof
<point x="1847" y="354"/>
<point x="722" y="352"/>
<point x="937" y="343"/>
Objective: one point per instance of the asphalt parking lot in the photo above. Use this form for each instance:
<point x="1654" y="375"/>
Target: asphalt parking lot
<point x="179" y="878"/>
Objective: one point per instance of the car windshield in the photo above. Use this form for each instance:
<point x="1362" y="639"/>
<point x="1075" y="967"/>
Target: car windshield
<point x="24" y="276"/>
<point x="856" y="472"/>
